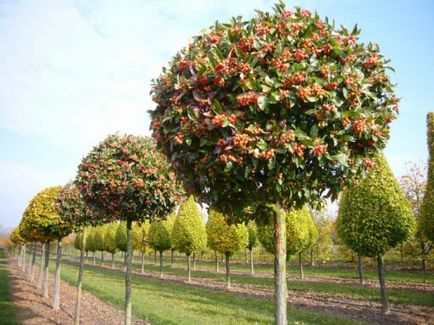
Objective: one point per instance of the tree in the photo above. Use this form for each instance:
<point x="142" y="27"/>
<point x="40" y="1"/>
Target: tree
<point x="252" y="231"/>
<point x="160" y="239"/>
<point x="125" y="178"/>
<point x="121" y="240"/>
<point x="226" y="239"/>
<point x="140" y="239"/>
<point x="189" y="234"/>
<point x="41" y="221"/>
<point x="110" y="240"/>
<point x="74" y="211"/>
<point x="374" y="216"/>
<point x="280" y="110"/>
<point x="427" y="206"/>
<point x="300" y="233"/>
<point x="90" y="242"/>
<point x="321" y="250"/>
<point x="19" y="241"/>
<point x="413" y="185"/>
<point x="99" y="240"/>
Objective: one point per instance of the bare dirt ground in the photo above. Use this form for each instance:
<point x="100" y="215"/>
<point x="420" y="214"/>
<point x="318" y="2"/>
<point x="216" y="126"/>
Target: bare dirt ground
<point x="34" y="309"/>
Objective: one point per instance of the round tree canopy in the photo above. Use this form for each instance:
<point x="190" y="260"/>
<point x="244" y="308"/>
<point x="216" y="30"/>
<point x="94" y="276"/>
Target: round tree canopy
<point x="282" y="108"/>
<point x="252" y="230"/>
<point x="374" y="215"/>
<point x="15" y="237"/>
<point x="41" y="220"/>
<point x="124" y="177"/>
<point x="160" y="235"/>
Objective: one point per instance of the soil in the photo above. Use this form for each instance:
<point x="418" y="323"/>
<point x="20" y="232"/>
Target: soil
<point x="34" y="309"/>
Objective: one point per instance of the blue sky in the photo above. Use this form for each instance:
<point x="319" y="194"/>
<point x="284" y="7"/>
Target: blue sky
<point x="72" y="72"/>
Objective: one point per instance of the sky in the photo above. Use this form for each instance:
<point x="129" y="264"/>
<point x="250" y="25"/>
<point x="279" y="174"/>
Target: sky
<point x="72" y="72"/>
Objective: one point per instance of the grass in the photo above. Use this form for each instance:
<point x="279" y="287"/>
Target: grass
<point x="164" y="302"/>
<point x="395" y="295"/>
<point x="7" y="308"/>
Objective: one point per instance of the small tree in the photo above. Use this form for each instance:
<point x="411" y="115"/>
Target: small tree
<point x="141" y="239"/>
<point x="110" y="240"/>
<point x="127" y="179"/>
<point x="90" y="242"/>
<point x="160" y="239"/>
<point x="19" y="241"/>
<point x="252" y="231"/>
<point x="226" y="239"/>
<point x="122" y="240"/>
<point x="282" y="109"/>
<point x="427" y="207"/>
<point x="321" y="250"/>
<point x="189" y="234"/>
<point x="99" y="240"/>
<point x="374" y="216"/>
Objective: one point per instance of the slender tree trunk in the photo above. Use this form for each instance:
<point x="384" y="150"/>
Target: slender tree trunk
<point x="102" y="258"/>
<point x="155" y="258"/>
<point x="128" y="274"/>
<point x="300" y="265"/>
<point x="252" y="270"/>
<point x="188" y="268"/>
<point x="312" y="262"/>
<point x="143" y="262"/>
<point x="125" y="260"/>
<point x="423" y="263"/>
<point x="172" y="262"/>
<point x="87" y="255"/>
<point x="23" y="265"/>
<point x="216" y="261"/>
<point x="29" y="262"/>
<point x="280" y="288"/>
<point x="20" y="258"/>
<point x="41" y="266"/>
<point x="228" y="271"/>
<point x="94" y="261"/>
<point x="56" y="298"/>
<point x="80" y="279"/>
<point x="113" y="261"/>
<point x="194" y="261"/>
<point x="384" y="302"/>
<point x="32" y="274"/>
<point x="46" y="273"/>
<point x="360" y="268"/>
<point x="161" y="264"/>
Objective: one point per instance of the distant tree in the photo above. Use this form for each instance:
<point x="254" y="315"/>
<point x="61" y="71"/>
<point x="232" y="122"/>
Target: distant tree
<point x="17" y="241"/>
<point x="189" y="234"/>
<point x="90" y="242"/>
<point x="99" y="240"/>
<point x="122" y="240"/>
<point x="427" y="206"/>
<point x="110" y="240"/>
<point x="141" y="239"/>
<point x="160" y="238"/>
<point x="252" y="242"/>
<point x="321" y="250"/>
<point x="374" y="216"/>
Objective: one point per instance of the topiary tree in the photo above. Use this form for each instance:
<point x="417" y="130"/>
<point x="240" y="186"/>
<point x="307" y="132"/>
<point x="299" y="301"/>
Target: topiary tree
<point x="74" y="211"/>
<point x="252" y="231"/>
<point x="19" y="241"/>
<point x="125" y="178"/>
<point x="427" y="207"/>
<point x="41" y="221"/>
<point x="189" y="234"/>
<point x="140" y="239"/>
<point x="226" y="239"/>
<point x="99" y="240"/>
<point x="374" y="216"/>
<point x="160" y="239"/>
<point x="280" y="110"/>
<point x="110" y="240"/>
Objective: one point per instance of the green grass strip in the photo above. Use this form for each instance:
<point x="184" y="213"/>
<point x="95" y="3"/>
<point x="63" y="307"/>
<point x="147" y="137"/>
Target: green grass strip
<point x="8" y="315"/>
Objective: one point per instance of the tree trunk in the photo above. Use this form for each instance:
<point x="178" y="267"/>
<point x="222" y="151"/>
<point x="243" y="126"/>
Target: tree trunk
<point x="384" y="303"/>
<point x="161" y="264"/>
<point x="125" y="260"/>
<point x="252" y="270"/>
<point x="23" y="264"/>
<point x="188" y="268"/>
<point x="280" y="288"/>
<point x="228" y="271"/>
<point x="143" y="262"/>
<point x="56" y="298"/>
<point x="102" y="258"/>
<point x="20" y="258"/>
<point x="32" y="274"/>
<point x="360" y="268"/>
<point x="87" y="255"/>
<point x="423" y="263"/>
<point x="216" y="261"/>
<point x="172" y="262"/>
<point x="129" y="255"/>
<point x="312" y="262"/>
<point x="80" y="280"/>
<point x="194" y="261"/>
<point x="155" y="258"/>
<point x="29" y="262"/>
<point x="46" y="273"/>
<point x="246" y="256"/>
<point x="41" y="266"/>
<point x="300" y="265"/>
<point x="113" y="261"/>
<point x="94" y="261"/>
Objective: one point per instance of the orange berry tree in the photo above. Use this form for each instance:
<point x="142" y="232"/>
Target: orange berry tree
<point x="283" y="108"/>
<point x="125" y="178"/>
